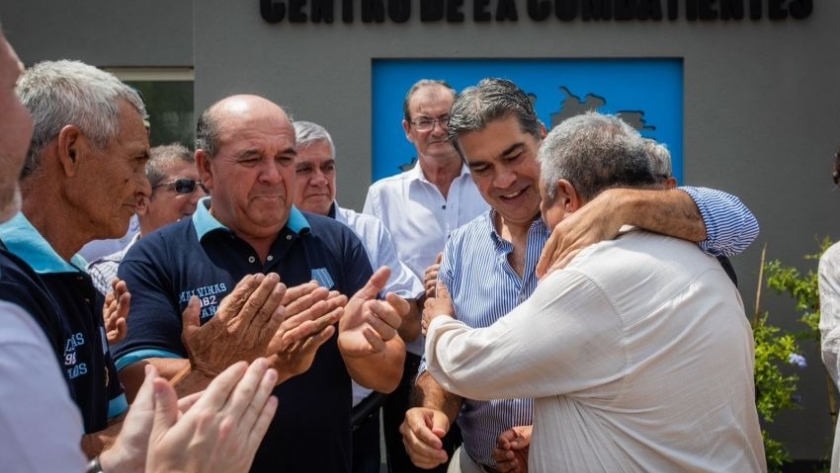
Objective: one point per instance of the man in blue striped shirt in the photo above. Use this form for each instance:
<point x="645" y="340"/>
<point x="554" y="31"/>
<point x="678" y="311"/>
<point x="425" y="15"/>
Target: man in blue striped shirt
<point x="489" y="264"/>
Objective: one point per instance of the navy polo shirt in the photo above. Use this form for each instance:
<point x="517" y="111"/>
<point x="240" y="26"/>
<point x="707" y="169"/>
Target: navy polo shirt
<point x="199" y="256"/>
<point x="61" y="297"/>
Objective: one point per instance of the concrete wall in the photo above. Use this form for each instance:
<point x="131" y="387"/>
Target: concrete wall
<point x="107" y="33"/>
<point x="761" y="101"/>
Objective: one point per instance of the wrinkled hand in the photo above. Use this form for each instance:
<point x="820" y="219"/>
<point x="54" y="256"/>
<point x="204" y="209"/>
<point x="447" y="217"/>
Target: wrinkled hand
<point x="422" y="431"/>
<point x="369" y="323"/>
<point x="115" y="311"/>
<point x="242" y="328"/>
<point x="596" y="221"/>
<point x="511" y="452"/>
<point x="221" y="432"/>
<point x="431" y="275"/>
<point x="437" y="306"/>
<point x="311" y="312"/>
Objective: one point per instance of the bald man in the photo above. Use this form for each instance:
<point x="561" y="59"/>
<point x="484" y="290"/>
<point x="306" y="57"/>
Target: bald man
<point x="246" y="158"/>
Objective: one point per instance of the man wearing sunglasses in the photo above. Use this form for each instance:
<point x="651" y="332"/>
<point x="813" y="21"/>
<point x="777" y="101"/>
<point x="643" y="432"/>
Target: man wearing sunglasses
<point x="176" y="190"/>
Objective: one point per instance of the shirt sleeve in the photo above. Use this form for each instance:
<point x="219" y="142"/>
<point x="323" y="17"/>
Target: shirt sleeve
<point x="445" y="277"/>
<point x="403" y="281"/>
<point x="154" y="322"/>
<point x="39" y="424"/>
<point x="566" y="337"/>
<point x="829" y="284"/>
<point x="372" y="204"/>
<point x="730" y="226"/>
<point x="102" y="272"/>
<point x="356" y="267"/>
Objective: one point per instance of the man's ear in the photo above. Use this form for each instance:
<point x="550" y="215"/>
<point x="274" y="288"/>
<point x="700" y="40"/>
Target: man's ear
<point x="142" y="205"/>
<point x="71" y="147"/>
<point x="543" y="131"/>
<point x="571" y="198"/>
<point x="407" y="129"/>
<point x="205" y="171"/>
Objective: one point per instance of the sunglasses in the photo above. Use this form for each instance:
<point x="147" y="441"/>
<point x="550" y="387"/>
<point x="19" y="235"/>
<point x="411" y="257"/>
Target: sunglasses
<point x="183" y="186"/>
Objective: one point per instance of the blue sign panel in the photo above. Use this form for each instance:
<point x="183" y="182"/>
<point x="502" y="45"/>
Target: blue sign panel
<point x="646" y="93"/>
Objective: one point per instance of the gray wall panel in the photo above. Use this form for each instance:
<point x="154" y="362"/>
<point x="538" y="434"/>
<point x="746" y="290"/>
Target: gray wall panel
<point x="115" y="33"/>
<point x="761" y="104"/>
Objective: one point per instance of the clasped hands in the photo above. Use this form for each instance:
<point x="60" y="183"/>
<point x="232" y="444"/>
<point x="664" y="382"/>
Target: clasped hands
<point x="261" y="317"/>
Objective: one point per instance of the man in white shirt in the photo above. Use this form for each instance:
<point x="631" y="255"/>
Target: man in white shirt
<point x="315" y="192"/>
<point x="420" y="208"/>
<point x="638" y="355"/>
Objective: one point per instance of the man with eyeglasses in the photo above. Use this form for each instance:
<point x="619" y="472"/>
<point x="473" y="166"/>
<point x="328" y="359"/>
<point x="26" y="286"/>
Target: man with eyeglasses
<point x="420" y="208"/>
<point x="176" y="190"/>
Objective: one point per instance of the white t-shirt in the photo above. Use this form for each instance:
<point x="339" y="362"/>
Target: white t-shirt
<point x="638" y="356"/>
<point x="40" y="426"/>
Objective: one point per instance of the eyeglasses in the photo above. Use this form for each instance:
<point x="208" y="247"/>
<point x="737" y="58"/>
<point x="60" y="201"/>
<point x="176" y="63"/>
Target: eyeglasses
<point x="183" y="186"/>
<point x="427" y="124"/>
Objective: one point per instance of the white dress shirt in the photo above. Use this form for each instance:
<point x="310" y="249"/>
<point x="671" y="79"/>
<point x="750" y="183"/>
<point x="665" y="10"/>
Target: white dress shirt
<point x="420" y="219"/>
<point x="638" y="356"/>
<point x="829" y="281"/>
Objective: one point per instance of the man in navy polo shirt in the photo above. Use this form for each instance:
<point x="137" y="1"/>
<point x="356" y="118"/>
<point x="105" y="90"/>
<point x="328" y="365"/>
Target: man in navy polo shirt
<point x="246" y="158"/>
<point x="83" y="171"/>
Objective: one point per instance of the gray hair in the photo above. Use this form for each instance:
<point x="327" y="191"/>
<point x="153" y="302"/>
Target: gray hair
<point x="207" y="132"/>
<point x="61" y="93"/>
<point x="308" y="133"/>
<point x="491" y="100"/>
<point x="660" y="159"/>
<point x="163" y="158"/>
<point x="594" y="152"/>
<point x="419" y="85"/>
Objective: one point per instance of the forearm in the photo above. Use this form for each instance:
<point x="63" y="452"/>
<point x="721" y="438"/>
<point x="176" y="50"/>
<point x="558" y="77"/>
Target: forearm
<point x="177" y="371"/>
<point x="429" y="393"/>
<point x="380" y="371"/>
<point x="669" y="212"/>
<point x="189" y="381"/>
<point x="132" y="376"/>
<point x="95" y="443"/>
<point x="410" y="328"/>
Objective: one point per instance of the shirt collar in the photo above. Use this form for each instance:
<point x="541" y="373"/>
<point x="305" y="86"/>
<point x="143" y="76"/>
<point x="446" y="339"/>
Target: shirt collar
<point x="537" y="225"/>
<point x="417" y="173"/>
<point x="204" y="222"/>
<point x="24" y="240"/>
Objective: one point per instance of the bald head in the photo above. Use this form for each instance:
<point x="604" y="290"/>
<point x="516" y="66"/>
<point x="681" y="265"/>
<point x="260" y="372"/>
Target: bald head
<point x="246" y="158"/>
<point x="232" y="113"/>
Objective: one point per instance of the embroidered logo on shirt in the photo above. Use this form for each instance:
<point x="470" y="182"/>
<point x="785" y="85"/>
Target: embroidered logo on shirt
<point x="210" y="297"/>
<point x="73" y="368"/>
<point x="323" y="277"/>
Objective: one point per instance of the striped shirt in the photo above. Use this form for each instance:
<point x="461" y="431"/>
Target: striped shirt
<point x="484" y="288"/>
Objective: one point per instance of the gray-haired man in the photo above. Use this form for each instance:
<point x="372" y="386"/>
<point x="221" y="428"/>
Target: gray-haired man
<point x="622" y="351"/>
<point x="489" y="265"/>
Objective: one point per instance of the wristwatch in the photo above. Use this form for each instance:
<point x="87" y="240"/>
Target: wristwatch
<point x="94" y="466"/>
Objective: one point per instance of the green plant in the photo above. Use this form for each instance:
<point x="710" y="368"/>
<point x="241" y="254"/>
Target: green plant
<point x="803" y="288"/>
<point x="775" y="348"/>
